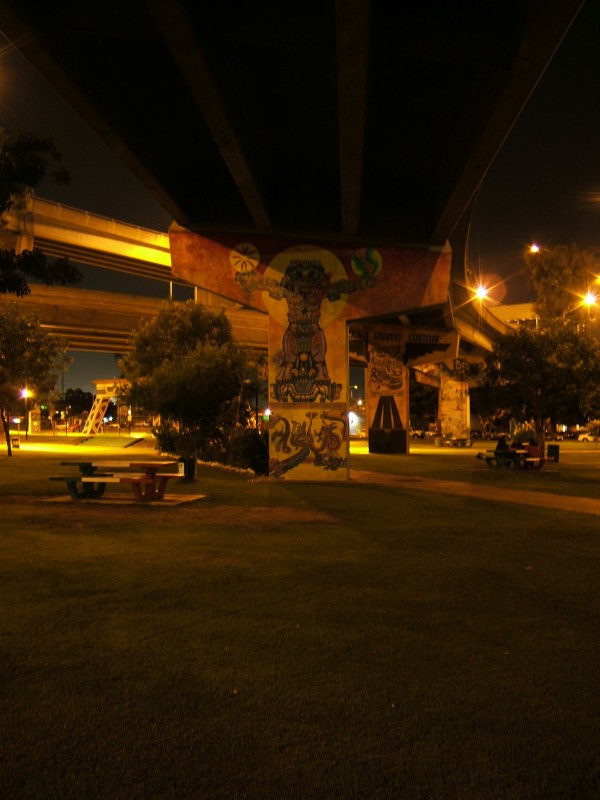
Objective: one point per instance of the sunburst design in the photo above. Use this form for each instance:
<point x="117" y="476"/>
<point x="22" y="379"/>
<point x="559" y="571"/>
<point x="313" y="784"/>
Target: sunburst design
<point x="244" y="257"/>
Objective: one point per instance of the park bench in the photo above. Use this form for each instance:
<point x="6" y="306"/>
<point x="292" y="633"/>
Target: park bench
<point x="79" y="491"/>
<point x="136" y="482"/>
<point x="506" y="459"/>
<point x="498" y="458"/>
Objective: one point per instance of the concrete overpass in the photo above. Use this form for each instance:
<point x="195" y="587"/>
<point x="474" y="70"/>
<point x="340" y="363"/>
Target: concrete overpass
<point x="96" y="320"/>
<point x="334" y="122"/>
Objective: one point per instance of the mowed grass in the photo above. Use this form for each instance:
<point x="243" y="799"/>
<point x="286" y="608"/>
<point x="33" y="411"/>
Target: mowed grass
<point x="282" y="640"/>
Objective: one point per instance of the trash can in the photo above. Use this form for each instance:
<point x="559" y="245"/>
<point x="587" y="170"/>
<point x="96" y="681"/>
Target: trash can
<point x="189" y="469"/>
<point x="15" y="442"/>
<point x="553" y="452"/>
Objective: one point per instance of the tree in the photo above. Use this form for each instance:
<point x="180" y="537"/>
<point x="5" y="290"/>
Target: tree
<point x="29" y="358"/>
<point x="24" y="162"/>
<point x="561" y="278"/>
<point x="74" y="402"/>
<point x="546" y="374"/>
<point x="423" y="401"/>
<point x="185" y="366"/>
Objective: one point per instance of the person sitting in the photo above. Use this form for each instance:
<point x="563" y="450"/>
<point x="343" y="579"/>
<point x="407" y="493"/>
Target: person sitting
<point x="533" y="452"/>
<point x="506" y="456"/>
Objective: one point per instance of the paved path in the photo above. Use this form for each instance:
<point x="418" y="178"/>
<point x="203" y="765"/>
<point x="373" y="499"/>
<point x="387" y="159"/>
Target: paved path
<point x="583" y="505"/>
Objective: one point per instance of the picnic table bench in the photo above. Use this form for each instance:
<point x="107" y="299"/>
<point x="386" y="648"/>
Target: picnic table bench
<point x="93" y="478"/>
<point x="512" y="459"/>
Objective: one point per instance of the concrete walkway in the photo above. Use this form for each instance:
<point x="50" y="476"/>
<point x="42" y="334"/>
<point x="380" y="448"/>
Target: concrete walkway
<point x="582" y="505"/>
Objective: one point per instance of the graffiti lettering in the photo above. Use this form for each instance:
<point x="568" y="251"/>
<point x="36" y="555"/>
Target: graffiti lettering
<point x="423" y="338"/>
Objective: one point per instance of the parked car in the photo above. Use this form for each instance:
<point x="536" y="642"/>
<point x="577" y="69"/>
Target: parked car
<point x="589" y="436"/>
<point x="415" y="433"/>
<point x="572" y="435"/>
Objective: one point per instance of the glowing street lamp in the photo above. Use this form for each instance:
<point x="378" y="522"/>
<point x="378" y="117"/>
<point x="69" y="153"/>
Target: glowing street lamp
<point x="534" y="248"/>
<point x="26" y="394"/>
<point x="590" y="299"/>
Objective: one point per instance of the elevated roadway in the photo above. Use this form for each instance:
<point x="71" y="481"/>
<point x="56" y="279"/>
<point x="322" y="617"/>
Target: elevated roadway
<point x="96" y="320"/>
<point x="103" y="321"/>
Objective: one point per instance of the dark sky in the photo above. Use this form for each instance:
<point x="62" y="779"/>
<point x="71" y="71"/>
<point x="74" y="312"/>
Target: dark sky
<point x="544" y="185"/>
<point x="99" y="184"/>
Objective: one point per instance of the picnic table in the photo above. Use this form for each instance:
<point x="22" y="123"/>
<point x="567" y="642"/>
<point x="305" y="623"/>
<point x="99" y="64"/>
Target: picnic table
<point x="90" y="482"/>
<point x="512" y="459"/>
<point x="459" y="441"/>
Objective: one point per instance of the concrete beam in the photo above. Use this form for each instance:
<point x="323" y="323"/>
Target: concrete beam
<point x="103" y="321"/>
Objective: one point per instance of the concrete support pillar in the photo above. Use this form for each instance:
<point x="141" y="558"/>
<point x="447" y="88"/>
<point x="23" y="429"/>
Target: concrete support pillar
<point x="454" y="409"/>
<point x="387" y="391"/>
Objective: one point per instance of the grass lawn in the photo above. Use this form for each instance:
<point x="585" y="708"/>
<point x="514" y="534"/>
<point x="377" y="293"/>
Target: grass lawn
<point x="282" y="640"/>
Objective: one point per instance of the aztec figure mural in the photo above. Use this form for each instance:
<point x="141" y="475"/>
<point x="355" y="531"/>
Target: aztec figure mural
<point x="310" y="294"/>
<point x="305" y="291"/>
<point x="305" y="284"/>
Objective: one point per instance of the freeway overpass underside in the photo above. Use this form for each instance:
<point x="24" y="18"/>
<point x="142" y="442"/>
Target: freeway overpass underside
<point x="103" y="321"/>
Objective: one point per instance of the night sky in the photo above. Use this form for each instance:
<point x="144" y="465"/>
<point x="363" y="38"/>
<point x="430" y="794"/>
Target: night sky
<point x="544" y="185"/>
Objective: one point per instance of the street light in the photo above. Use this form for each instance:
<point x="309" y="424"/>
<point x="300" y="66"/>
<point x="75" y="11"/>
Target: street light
<point x="589" y="299"/>
<point x="26" y="394"/>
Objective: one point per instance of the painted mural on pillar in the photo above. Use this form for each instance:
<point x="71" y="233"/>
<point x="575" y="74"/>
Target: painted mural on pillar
<point x="454" y="403"/>
<point x="308" y="441"/>
<point x="387" y="391"/>
<point x="305" y="291"/>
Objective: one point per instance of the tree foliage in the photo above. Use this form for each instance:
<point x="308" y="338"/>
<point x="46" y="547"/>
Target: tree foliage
<point x="186" y="367"/>
<point x="550" y="372"/>
<point x="29" y="358"/>
<point x="545" y="373"/>
<point x="561" y="277"/>
<point x="24" y="162"/>
<point x="76" y="401"/>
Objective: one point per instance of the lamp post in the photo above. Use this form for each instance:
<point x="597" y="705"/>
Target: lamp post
<point x="26" y="394"/>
